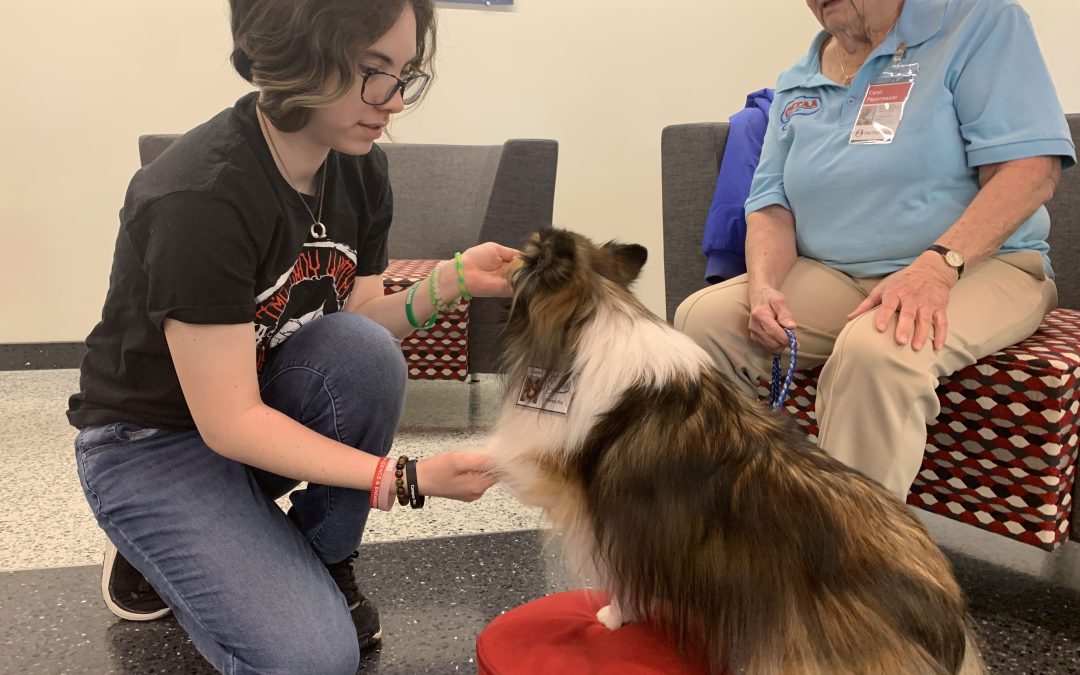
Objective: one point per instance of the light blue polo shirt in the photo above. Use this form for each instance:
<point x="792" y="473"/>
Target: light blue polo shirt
<point x="983" y="95"/>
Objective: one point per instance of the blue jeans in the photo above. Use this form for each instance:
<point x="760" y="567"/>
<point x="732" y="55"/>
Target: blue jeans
<point x="247" y="582"/>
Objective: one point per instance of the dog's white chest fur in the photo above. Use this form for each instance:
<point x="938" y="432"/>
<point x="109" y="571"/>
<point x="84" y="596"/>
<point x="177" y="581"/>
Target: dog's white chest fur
<point x="615" y="351"/>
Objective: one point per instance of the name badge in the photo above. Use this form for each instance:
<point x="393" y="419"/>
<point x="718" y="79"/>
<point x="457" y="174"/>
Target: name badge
<point x="883" y="105"/>
<point x="551" y="397"/>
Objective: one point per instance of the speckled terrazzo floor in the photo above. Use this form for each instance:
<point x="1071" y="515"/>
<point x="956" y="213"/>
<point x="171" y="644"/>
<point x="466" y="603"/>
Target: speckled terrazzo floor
<point x="55" y="527"/>
<point x="465" y="563"/>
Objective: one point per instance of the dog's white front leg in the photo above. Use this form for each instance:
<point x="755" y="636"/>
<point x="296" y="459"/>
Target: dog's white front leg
<point x="611" y="616"/>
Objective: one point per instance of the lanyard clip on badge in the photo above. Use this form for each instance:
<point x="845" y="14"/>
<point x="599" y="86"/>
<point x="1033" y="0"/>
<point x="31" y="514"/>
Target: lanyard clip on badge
<point x="884" y="101"/>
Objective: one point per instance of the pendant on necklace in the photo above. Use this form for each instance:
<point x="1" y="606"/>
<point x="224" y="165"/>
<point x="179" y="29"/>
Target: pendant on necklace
<point x="318" y="230"/>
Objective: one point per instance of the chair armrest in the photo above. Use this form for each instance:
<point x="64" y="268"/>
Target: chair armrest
<point x="690" y="163"/>
<point x="523" y="194"/>
<point x="441" y="193"/>
<point x="521" y="203"/>
<point x="1064" y="211"/>
<point x="152" y="145"/>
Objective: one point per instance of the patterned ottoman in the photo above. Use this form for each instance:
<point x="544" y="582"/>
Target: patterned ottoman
<point x="442" y="352"/>
<point x="1002" y="453"/>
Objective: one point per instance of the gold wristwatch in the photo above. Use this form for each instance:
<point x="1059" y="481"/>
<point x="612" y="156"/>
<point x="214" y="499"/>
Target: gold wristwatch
<point x="953" y="259"/>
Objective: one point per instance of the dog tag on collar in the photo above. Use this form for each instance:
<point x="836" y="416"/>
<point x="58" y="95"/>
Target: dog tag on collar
<point x="550" y="399"/>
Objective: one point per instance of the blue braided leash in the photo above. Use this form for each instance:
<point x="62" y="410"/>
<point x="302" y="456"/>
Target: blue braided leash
<point x="780" y="388"/>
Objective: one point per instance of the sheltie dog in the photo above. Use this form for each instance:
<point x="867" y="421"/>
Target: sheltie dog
<point x="695" y="507"/>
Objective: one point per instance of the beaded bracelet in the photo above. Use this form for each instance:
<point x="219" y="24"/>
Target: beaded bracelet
<point x="399" y="482"/>
<point x="409" y="309"/>
<point x="461" y="277"/>
<point x="416" y="500"/>
<point x="433" y="292"/>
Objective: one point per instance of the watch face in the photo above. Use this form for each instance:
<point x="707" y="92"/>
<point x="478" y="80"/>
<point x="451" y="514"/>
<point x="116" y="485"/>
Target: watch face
<point x="954" y="259"/>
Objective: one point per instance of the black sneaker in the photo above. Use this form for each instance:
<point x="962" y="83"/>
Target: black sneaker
<point x="127" y="593"/>
<point x="364" y="614"/>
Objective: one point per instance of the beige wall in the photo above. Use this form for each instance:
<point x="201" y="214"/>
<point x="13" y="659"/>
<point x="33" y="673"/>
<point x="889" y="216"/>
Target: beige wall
<point x="603" y="77"/>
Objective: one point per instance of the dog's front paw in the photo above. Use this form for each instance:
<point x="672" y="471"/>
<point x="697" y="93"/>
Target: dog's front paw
<point x="610" y="616"/>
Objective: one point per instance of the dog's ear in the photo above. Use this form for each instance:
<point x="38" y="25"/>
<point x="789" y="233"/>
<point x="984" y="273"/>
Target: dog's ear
<point x="626" y="261"/>
<point x="556" y="257"/>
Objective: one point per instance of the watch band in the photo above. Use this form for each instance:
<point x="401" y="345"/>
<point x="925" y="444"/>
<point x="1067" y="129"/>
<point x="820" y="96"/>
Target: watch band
<point x="946" y="255"/>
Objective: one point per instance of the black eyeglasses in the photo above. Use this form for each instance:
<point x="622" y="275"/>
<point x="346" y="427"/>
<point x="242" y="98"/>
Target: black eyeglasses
<point x="379" y="88"/>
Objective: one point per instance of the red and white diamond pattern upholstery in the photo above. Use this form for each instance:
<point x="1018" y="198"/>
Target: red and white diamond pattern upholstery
<point x="1002" y="453"/>
<point x="442" y="352"/>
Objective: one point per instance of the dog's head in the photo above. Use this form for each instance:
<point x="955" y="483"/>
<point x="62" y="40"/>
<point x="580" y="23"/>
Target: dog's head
<point x="564" y="263"/>
<point x="559" y="282"/>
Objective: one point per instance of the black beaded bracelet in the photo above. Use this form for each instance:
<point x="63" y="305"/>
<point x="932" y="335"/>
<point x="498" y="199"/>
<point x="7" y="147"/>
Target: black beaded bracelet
<point x="399" y="479"/>
<point x="416" y="500"/>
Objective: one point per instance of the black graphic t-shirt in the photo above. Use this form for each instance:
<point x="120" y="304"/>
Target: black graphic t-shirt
<point x="211" y="233"/>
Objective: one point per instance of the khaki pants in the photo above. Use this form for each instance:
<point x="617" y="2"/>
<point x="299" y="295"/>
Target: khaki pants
<point x="875" y="398"/>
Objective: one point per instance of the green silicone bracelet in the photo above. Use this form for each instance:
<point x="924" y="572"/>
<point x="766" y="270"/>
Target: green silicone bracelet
<point x="409" y="309"/>
<point x="461" y="277"/>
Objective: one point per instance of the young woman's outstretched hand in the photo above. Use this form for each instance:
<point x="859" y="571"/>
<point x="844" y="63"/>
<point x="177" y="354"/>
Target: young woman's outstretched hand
<point x="463" y="476"/>
<point x="485" y="269"/>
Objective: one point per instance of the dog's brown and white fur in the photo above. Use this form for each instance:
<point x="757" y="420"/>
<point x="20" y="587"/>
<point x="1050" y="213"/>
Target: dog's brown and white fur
<point x="700" y="509"/>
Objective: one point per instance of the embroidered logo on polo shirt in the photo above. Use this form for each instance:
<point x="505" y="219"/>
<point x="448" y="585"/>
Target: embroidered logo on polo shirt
<point x="800" y="105"/>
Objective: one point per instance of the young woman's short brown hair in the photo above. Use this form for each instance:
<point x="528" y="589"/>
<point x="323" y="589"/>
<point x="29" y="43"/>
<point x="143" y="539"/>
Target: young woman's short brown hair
<point x="290" y="49"/>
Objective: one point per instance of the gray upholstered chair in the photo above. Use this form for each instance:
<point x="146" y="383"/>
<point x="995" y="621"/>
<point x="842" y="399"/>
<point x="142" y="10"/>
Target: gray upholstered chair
<point x="1018" y="481"/>
<point x="450" y="197"/>
<point x="691" y="154"/>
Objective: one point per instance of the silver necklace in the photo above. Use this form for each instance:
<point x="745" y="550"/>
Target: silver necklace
<point x="318" y="230"/>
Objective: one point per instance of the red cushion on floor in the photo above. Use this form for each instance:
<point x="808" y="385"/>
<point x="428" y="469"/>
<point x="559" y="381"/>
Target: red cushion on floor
<point x="561" y="634"/>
